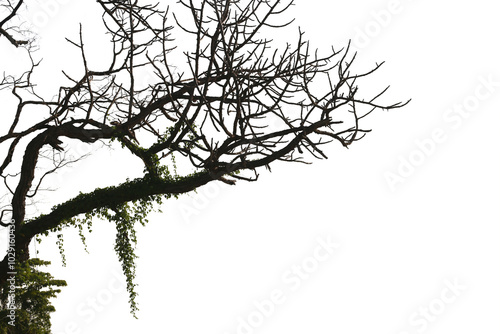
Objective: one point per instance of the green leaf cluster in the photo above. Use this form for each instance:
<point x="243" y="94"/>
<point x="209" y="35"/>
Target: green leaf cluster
<point x="33" y="290"/>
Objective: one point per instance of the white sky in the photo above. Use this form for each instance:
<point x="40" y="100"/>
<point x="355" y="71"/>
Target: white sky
<point x="211" y="260"/>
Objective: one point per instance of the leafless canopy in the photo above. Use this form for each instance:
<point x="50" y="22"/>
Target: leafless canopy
<point x="233" y="103"/>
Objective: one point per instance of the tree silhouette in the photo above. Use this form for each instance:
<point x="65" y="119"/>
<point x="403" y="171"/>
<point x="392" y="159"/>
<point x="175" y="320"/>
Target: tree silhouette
<point x="234" y="104"/>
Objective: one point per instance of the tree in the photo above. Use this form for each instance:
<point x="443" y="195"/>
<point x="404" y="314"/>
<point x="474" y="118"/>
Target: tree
<point x="213" y="110"/>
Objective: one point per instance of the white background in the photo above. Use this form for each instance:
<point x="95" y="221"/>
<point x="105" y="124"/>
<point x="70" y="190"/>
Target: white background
<point x="210" y="257"/>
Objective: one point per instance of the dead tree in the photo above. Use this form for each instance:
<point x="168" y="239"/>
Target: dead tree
<point x="216" y="113"/>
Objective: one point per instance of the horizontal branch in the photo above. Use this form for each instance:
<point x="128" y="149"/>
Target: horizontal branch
<point x="114" y="196"/>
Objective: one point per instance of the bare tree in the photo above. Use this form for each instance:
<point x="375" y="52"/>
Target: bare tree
<point x="9" y="31"/>
<point x="216" y="113"/>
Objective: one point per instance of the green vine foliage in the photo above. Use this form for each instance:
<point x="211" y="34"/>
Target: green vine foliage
<point x="124" y="216"/>
<point x="60" y="245"/>
<point x="31" y="300"/>
<point x="125" y="243"/>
